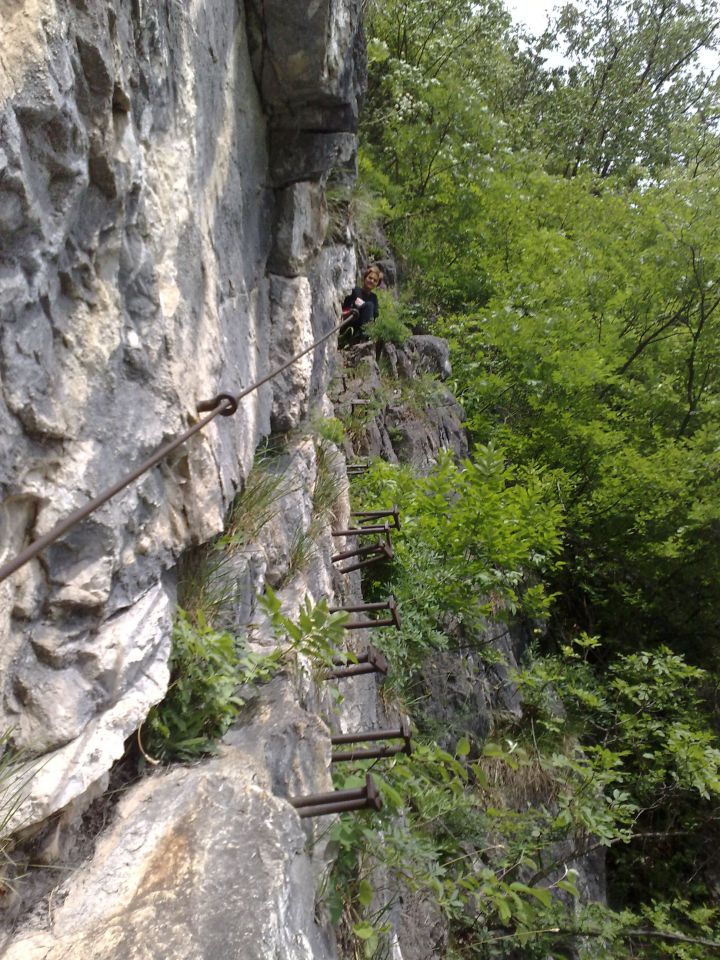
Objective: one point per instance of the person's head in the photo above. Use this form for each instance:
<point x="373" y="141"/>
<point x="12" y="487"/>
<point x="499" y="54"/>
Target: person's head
<point x="372" y="277"/>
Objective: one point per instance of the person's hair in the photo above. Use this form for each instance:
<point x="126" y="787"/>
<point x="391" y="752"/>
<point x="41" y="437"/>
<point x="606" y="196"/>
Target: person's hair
<point x="373" y="269"/>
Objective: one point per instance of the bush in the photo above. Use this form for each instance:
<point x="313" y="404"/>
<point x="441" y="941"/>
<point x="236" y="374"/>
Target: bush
<point x="207" y="668"/>
<point x="329" y="428"/>
<point x="388" y="327"/>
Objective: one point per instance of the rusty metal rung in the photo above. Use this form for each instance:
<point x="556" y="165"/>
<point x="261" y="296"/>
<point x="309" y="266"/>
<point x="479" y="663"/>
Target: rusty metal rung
<point x="339" y="801"/>
<point x="372" y="661"/>
<point x="402" y="732"/>
<point x="377" y="753"/>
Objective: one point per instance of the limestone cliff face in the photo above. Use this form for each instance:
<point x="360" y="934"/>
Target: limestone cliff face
<point x="162" y="238"/>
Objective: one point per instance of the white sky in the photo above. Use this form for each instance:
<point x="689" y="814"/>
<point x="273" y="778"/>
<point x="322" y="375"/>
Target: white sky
<point x="534" y="13"/>
<point x="531" y="12"/>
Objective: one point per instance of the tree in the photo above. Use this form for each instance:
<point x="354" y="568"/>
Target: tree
<point x="559" y="226"/>
<point x="635" y="73"/>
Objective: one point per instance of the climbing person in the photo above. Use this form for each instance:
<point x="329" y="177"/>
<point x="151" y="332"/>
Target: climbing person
<point x="361" y="306"/>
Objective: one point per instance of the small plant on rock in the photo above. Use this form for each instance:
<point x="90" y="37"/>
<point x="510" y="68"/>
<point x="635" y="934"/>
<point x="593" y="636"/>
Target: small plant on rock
<point x="329" y="484"/>
<point x="16" y="772"/>
<point x="389" y="326"/>
<point x="329" y="428"/>
<point x="317" y="634"/>
<point x="207" y="669"/>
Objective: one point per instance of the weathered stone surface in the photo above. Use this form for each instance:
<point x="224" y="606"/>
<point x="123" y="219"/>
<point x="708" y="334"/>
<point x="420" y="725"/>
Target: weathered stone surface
<point x="78" y="704"/>
<point x="136" y="221"/>
<point x="132" y="241"/>
<point x="309" y="155"/>
<point x="415" y="421"/>
<point x="302" y="223"/>
<point x="295" y="472"/>
<point x="306" y="59"/>
<point x="432" y="355"/>
<point x="421" y="929"/>
<point x="291" y="305"/>
<point x="332" y="270"/>
<point x="243" y="580"/>
<point x="311" y="88"/>
<point x="202" y="863"/>
<point x="464" y="693"/>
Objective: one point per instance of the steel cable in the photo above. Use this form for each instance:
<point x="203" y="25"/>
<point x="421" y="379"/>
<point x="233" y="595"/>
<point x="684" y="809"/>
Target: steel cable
<point x="224" y="404"/>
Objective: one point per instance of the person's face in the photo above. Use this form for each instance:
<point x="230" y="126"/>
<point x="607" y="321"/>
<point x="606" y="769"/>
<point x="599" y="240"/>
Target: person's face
<point x="371" y="280"/>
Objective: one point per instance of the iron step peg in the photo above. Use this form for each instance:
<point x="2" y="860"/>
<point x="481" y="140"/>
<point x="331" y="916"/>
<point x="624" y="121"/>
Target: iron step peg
<point x="357" y="551"/>
<point x="375" y="515"/>
<point x="339" y="801"/>
<point x="357" y="469"/>
<point x="402" y="733"/>
<point x="374" y="753"/>
<point x="373" y="553"/>
<point x="392" y="621"/>
<point x="362" y="531"/>
<point x="372" y="661"/>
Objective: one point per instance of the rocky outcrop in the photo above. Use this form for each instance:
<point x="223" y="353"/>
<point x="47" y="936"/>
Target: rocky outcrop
<point x="147" y="262"/>
<point x="210" y="860"/>
<point x="395" y="403"/>
<point x="202" y="863"/>
<point x="310" y="65"/>
<point x="465" y="694"/>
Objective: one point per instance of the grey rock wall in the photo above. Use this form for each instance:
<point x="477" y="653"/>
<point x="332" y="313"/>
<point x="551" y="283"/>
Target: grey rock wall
<point x="199" y="864"/>
<point x="209" y="861"/>
<point x="159" y="242"/>
<point x="396" y="404"/>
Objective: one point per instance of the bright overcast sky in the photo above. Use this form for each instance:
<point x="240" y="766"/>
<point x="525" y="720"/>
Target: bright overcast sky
<point x="533" y="13"/>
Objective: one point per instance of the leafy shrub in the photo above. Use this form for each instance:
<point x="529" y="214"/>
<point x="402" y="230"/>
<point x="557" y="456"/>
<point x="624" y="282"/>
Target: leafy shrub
<point x="389" y="326"/>
<point x="470" y="534"/>
<point x="207" y="668"/>
<point x="317" y="633"/>
<point x="329" y="428"/>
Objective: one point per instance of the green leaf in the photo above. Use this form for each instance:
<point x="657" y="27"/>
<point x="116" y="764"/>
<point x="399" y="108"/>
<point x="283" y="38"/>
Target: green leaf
<point x="365" y="893"/>
<point x="363" y="930"/>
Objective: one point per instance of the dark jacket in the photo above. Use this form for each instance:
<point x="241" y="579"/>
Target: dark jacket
<point x="370" y="301"/>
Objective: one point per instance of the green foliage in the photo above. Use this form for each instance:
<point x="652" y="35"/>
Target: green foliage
<point x="471" y="535"/>
<point x="636" y="73"/>
<point x="492" y="836"/>
<point x="329" y="484"/>
<point x="585" y="320"/>
<point x="368" y="208"/>
<point x="205" y="584"/>
<point x="329" y="428"/>
<point x="558" y="224"/>
<point x="210" y="671"/>
<point x="302" y="550"/>
<point x="597" y="359"/>
<point x="388" y="327"/>
<point x="207" y="670"/>
<point x="317" y="634"/>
